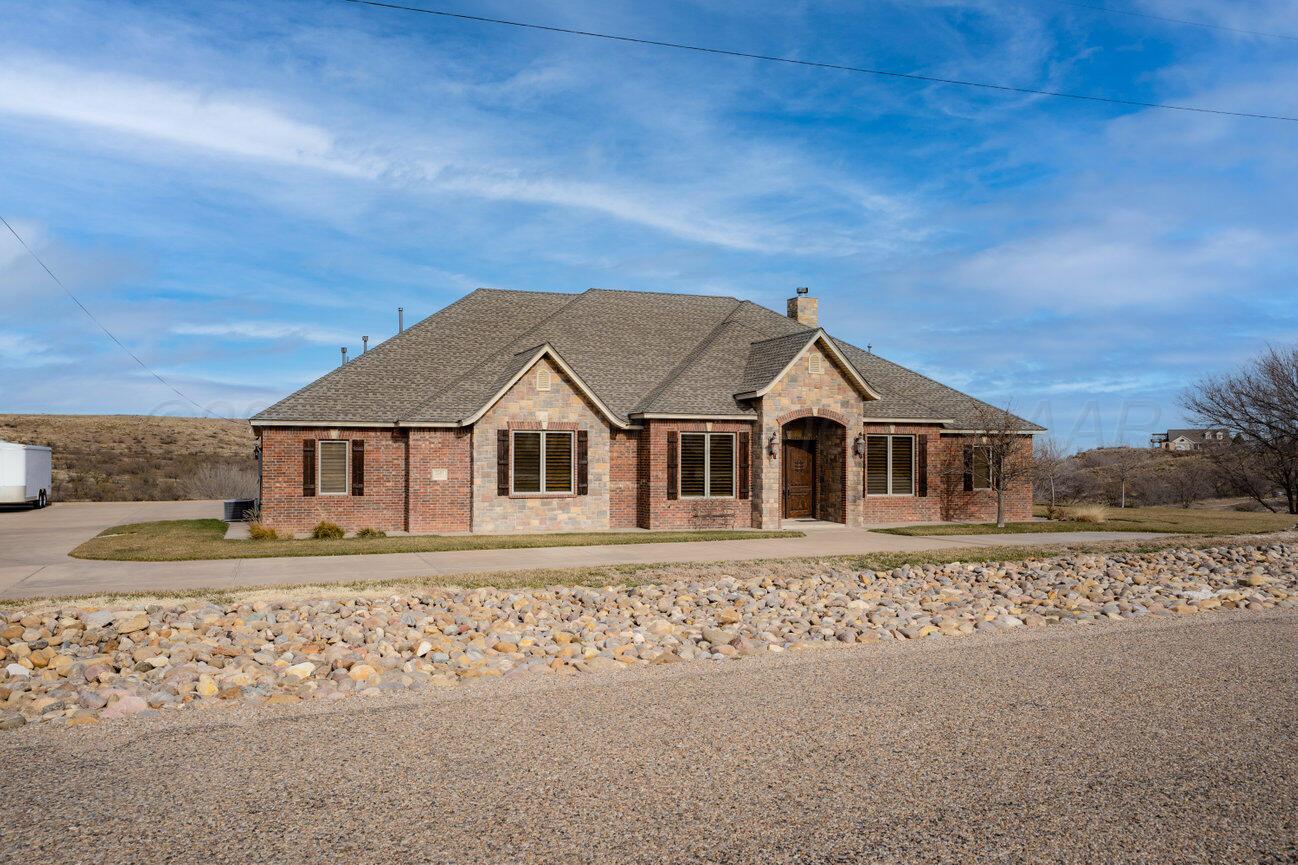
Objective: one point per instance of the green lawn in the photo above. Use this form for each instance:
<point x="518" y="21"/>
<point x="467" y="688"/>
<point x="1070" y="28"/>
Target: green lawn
<point x="1180" y="521"/>
<point x="185" y="540"/>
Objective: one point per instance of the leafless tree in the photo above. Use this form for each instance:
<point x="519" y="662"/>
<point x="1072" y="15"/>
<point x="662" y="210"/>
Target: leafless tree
<point x="1259" y="404"/>
<point x="1185" y="478"/>
<point x="1009" y="452"/>
<point x="1125" y="466"/>
<point x="1048" y="466"/>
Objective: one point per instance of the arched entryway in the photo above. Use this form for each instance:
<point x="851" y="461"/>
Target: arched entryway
<point x="813" y="461"/>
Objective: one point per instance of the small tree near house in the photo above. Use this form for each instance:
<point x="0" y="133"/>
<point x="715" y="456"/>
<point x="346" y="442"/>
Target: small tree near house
<point x="1048" y="467"/>
<point x="1000" y="440"/>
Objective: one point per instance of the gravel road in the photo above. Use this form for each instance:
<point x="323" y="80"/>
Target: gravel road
<point x="1170" y="741"/>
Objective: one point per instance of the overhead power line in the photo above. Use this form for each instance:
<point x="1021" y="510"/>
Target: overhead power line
<point x="101" y="326"/>
<point x="1134" y="14"/>
<point x="792" y="61"/>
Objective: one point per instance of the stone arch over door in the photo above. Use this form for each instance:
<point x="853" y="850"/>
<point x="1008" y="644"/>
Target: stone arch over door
<point x="813" y="466"/>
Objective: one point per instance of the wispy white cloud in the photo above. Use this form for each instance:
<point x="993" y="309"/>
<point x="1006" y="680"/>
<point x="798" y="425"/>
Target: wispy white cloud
<point x="233" y="124"/>
<point x="265" y="330"/>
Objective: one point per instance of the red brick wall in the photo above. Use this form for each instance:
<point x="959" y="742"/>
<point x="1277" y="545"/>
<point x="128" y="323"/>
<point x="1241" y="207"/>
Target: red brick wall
<point x="956" y="505"/>
<point x="283" y="506"/>
<point x="665" y="513"/>
<point x="624" y="479"/>
<point x="441" y="505"/>
<point x="946" y="499"/>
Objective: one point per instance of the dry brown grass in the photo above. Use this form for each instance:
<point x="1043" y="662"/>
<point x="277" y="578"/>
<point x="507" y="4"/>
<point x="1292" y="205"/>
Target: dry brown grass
<point x="102" y="458"/>
<point x="1087" y="513"/>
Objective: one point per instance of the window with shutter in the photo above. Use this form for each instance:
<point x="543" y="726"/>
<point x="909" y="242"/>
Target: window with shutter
<point x="542" y="462"/>
<point x="332" y="474"/>
<point x="890" y="465"/>
<point x="707" y="465"/>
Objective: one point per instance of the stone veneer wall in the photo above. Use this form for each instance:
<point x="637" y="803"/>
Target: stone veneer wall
<point x="525" y="407"/>
<point x="798" y="394"/>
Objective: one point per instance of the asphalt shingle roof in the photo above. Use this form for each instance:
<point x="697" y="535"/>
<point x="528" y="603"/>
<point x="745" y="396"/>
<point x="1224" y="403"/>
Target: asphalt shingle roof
<point x="639" y="352"/>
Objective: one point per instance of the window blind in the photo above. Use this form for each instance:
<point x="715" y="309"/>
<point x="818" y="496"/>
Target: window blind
<point x="333" y="467"/>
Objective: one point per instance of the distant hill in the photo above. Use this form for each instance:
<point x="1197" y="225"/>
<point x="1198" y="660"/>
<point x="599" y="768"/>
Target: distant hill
<point x="138" y="457"/>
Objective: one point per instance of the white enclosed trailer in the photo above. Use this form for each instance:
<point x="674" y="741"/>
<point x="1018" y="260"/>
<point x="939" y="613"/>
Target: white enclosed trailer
<point x="25" y="476"/>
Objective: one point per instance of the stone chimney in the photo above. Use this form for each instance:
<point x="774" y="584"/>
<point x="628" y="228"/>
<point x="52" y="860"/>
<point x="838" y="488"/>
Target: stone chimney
<point x="805" y="309"/>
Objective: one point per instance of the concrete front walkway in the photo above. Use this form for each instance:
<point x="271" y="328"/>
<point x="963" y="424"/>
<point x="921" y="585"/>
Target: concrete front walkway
<point x="34" y="547"/>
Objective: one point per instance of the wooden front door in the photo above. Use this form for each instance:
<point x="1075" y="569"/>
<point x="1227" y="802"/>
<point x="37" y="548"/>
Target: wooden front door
<point x="799" y="479"/>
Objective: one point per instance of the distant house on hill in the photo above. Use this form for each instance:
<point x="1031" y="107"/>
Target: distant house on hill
<point x="514" y="411"/>
<point x="1188" y="439"/>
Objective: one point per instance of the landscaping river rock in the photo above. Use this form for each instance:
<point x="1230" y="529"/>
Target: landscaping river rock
<point x="79" y="665"/>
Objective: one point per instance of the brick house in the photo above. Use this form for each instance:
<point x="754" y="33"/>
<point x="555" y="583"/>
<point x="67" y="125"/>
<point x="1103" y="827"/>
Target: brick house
<point x="512" y="411"/>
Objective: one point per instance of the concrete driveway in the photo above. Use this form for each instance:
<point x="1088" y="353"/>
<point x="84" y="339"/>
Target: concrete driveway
<point x="34" y="547"/>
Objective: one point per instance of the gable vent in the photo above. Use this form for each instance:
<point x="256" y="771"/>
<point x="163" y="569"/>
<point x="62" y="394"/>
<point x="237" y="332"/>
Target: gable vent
<point x="542" y="379"/>
<point x="815" y="364"/>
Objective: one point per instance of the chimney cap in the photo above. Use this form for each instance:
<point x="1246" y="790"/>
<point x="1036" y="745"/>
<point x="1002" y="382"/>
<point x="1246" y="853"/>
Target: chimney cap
<point x="802" y="289"/>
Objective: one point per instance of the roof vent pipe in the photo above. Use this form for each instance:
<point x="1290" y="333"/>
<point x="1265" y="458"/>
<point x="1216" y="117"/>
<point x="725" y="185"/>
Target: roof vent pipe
<point x="365" y="344"/>
<point x="344" y="354"/>
<point x="401" y="319"/>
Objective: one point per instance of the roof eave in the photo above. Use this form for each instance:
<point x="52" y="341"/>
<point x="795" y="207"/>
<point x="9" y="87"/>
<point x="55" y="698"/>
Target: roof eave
<point x="546" y="349"/>
<point x="818" y="335"/>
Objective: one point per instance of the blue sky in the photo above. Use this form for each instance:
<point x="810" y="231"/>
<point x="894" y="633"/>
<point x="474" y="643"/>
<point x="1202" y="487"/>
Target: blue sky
<point x="237" y="189"/>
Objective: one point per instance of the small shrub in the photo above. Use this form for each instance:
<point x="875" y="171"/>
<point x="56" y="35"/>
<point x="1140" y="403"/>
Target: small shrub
<point x="1055" y="512"/>
<point x="368" y="532"/>
<point x="1088" y="514"/>
<point x="1248" y="507"/>
<point x="327" y="531"/>
<point x="258" y="532"/>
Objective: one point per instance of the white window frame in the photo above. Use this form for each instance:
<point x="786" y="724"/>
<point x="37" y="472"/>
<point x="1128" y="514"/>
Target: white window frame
<point x="347" y="470"/>
<point x="914" y="468"/>
<point x="513" y="455"/>
<point x="707" y="464"/>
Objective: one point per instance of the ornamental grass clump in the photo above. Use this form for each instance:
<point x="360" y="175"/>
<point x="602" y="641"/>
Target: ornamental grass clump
<point x="1088" y="514"/>
<point x="368" y="532"/>
<point x="259" y="532"/>
<point x="327" y="531"/>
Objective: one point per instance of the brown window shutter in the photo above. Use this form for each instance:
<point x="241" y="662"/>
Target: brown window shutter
<point x="968" y="468"/>
<point x="502" y="462"/>
<point x="673" y="456"/>
<point x="921" y="465"/>
<point x="308" y="467"/>
<point x="358" y="467"/>
<point x="743" y="441"/>
<point x="582" y="463"/>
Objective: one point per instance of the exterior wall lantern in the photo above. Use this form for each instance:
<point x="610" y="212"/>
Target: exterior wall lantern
<point x="772" y="449"/>
<point x="858" y="445"/>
